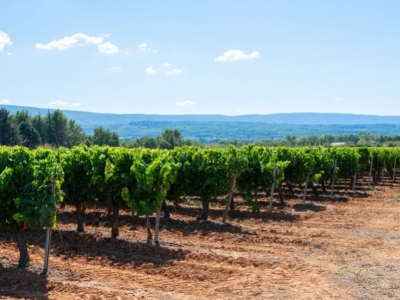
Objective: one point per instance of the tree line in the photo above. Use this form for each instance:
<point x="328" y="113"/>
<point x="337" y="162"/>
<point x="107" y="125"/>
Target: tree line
<point x="53" y="130"/>
<point x="360" y="139"/>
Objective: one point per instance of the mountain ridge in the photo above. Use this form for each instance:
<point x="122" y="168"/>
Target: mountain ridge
<point x="304" y="118"/>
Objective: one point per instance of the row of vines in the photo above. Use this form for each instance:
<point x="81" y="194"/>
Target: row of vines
<point x="32" y="183"/>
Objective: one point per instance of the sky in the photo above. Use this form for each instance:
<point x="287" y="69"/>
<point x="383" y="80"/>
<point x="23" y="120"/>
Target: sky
<point x="202" y="57"/>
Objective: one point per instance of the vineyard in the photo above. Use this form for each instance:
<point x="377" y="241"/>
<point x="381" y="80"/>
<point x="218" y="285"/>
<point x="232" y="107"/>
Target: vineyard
<point x="241" y="190"/>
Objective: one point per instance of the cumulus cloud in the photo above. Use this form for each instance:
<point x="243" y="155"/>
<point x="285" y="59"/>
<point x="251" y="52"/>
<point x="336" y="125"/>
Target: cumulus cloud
<point x="5" y="101"/>
<point x="150" y="70"/>
<point x="113" y="69"/>
<point x="78" y="39"/>
<point x="108" y="48"/>
<point x="146" y="48"/>
<point x="235" y="55"/>
<point x="185" y="103"/>
<point x="174" y="71"/>
<point x="76" y="104"/>
<point x="58" y="103"/>
<point x="166" y="65"/>
<point x="9" y="53"/>
<point x="4" y="40"/>
<point x="143" y="46"/>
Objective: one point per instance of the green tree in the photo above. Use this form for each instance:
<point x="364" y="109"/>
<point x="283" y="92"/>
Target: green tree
<point x="75" y="134"/>
<point x="59" y="124"/>
<point x="170" y="139"/>
<point x="103" y="137"/>
<point x="29" y="136"/>
<point x="39" y="124"/>
<point x="22" y="116"/>
<point x="9" y="132"/>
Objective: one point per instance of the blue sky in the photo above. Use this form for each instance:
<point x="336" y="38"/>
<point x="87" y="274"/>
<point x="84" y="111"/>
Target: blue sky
<point x="203" y="57"/>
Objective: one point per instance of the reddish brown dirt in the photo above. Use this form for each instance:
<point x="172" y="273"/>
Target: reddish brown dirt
<point x="347" y="247"/>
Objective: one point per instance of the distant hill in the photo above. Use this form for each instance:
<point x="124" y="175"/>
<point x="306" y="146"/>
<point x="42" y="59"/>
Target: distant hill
<point x="215" y="127"/>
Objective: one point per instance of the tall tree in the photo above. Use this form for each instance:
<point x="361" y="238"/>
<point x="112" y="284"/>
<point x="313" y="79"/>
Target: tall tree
<point x="29" y="136"/>
<point x="39" y="124"/>
<point x="59" y="124"/>
<point x="75" y="134"/>
<point x="103" y="137"/>
<point x="22" y="116"/>
<point x="8" y="131"/>
<point x="170" y="139"/>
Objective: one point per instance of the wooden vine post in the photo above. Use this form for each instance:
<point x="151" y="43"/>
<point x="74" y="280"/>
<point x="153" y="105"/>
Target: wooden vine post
<point x="370" y="171"/>
<point x="48" y="241"/>
<point x="333" y="177"/>
<point x="383" y="170"/>
<point x="157" y="228"/>
<point x="229" y="200"/>
<point x="305" y="188"/>
<point x="394" y="168"/>
<point x="272" y="189"/>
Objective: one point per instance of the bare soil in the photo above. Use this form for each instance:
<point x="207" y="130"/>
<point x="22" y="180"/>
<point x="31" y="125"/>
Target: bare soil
<point x="344" y="247"/>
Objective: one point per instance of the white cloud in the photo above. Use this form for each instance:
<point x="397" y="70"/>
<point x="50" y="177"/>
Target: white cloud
<point x="150" y="70"/>
<point x="76" y="104"/>
<point x="108" y="48"/>
<point x="58" y="103"/>
<point x="175" y="71"/>
<point x="5" y="101"/>
<point x="143" y="46"/>
<point x="4" y="40"/>
<point x="166" y="68"/>
<point x="106" y="35"/>
<point x="78" y="39"/>
<point x="185" y="103"/>
<point x="113" y="69"/>
<point x="235" y="55"/>
<point x="9" y="53"/>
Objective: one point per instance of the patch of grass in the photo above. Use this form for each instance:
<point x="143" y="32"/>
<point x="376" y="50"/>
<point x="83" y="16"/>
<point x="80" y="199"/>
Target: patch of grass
<point x="315" y="244"/>
<point x="193" y="202"/>
<point x="215" y="204"/>
<point x="375" y="191"/>
<point x="337" y="252"/>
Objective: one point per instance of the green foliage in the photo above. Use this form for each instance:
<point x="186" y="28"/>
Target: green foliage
<point x="26" y="194"/>
<point x="77" y="174"/>
<point x="9" y="132"/>
<point x="104" y="137"/>
<point x="29" y="136"/>
<point x="142" y="178"/>
<point x="259" y="172"/>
